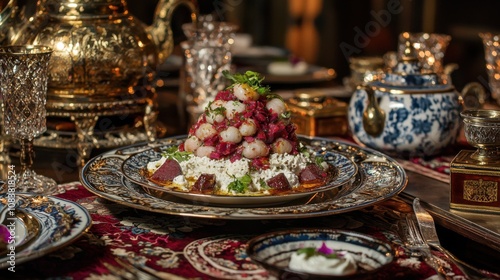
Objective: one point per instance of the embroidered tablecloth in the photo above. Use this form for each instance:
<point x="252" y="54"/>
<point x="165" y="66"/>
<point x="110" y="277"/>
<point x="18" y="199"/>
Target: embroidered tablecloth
<point x="197" y="248"/>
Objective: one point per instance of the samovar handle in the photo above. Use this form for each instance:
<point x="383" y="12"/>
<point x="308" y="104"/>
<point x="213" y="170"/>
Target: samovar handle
<point x="373" y="116"/>
<point x="161" y="29"/>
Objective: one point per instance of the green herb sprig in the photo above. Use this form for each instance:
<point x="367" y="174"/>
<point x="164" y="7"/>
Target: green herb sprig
<point x="251" y="78"/>
<point x="174" y="153"/>
<point x="240" y="185"/>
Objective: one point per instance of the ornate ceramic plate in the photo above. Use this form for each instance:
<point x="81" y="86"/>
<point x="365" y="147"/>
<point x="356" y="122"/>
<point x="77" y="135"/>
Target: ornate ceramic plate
<point x="134" y="166"/>
<point x="43" y="224"/>
<point x="379" y="178"/>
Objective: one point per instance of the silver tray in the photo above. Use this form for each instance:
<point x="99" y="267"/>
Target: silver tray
<point x="379" y="178"/>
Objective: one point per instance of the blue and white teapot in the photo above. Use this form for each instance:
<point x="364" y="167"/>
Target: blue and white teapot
<point x="406" y="112"/>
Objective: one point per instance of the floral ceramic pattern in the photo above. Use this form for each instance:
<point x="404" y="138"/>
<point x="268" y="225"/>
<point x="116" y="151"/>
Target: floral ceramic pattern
<point x="416" y="124"/>
<point x="61" y="222"/>
<point x="102" y="176"/>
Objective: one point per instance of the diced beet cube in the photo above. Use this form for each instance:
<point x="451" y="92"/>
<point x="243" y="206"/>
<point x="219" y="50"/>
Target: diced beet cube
<point x="167" y="171"/>
<point x="205" y="184"/>
<point x="312" y="174"/>
<point x="279" y="183"/>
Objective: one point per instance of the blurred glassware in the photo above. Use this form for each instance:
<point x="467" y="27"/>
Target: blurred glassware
<point x="23" y="86"/>
<point x="364" y="69"/>
<point x="430" y="49"/>
<point x="491" y="44"/>
<point x="390" y="59"/>
<point x="9" y="15"/>
<point x="207" y="32"/>
<point x="207" y="53"/>
<point x="204" y="78"/>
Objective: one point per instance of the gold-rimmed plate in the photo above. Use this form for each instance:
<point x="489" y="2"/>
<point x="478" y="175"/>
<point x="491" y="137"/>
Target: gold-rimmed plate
<point x="379" y="178"/>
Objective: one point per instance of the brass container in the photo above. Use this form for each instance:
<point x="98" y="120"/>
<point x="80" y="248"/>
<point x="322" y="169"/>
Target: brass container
<point x="100" y="51"/>
<point x="318" y="115"/>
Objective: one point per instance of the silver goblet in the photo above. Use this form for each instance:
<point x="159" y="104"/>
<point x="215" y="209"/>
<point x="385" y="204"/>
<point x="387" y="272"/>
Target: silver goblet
<point x="23" y="86"/>
<point x="482" y="130"/>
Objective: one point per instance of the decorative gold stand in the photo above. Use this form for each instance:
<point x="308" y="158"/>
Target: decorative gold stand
<point x="85" y="114"/>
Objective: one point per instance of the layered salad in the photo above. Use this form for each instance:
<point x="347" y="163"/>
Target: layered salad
<point x="323" y="260"/>
<point x="243" y="144"/>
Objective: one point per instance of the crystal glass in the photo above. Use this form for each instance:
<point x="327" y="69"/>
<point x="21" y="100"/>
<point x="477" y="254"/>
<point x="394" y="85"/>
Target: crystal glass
<point x="203" y="75"/>
<point x="23" y="86"/>
<point x="491" y="44"/>
<point x="429" y="47"/>
<point x="207" y="52"/>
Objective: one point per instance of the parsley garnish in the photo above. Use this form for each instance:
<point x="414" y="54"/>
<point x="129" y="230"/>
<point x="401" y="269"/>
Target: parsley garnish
<point x="251" y="78"/>
<point x="216" y="111"/>
<point x="240" y="185"/>
<point x="174" y="153"/>
<point x="319" y="160"/>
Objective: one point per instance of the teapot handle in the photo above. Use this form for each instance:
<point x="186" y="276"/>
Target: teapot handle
<point x="473" y="96"/>
<point x="373" y="116"/>
<point x="161" y="29"/>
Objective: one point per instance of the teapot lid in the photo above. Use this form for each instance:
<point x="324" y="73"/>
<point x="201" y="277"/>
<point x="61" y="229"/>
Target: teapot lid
<point x="408" y="76"/>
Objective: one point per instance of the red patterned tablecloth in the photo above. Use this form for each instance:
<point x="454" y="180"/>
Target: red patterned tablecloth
<point x="197" y="248"/>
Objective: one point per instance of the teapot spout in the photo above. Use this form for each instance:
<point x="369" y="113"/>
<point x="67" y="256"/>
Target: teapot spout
<point x="161" y="29"/>
<point x="10" y="21"/>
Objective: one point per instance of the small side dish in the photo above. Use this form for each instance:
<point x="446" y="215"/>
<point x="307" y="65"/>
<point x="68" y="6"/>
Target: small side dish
<point x="243" y="144"/>
<point x="319" y="253"/>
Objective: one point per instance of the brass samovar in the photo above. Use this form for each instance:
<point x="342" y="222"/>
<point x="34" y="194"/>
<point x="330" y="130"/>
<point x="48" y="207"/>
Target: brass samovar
<point x="104" y="60"/>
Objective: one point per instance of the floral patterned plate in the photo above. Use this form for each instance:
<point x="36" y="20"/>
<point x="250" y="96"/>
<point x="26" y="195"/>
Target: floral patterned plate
<point x="56" y="223"/>
<point x="379" y="178"/>
<point x="133" y="168"/>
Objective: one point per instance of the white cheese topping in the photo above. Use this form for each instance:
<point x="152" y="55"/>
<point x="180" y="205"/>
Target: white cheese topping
<point x="226" y="171"/>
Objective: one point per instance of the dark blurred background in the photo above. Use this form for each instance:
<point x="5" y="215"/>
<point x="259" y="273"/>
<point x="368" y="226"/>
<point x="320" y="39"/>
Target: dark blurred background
<point x="316" y="30"/>
<point x="320" y="31"/>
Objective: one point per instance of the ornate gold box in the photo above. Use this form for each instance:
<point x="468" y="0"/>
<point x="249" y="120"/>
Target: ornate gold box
<point x="473" y="186"/>
<point x="318" y="115"/>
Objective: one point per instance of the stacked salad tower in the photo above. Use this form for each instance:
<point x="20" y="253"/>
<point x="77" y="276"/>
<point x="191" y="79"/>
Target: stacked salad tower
<point x="243" y="144"/>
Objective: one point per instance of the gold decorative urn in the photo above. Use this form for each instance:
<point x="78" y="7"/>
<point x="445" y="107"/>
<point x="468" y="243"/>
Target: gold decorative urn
<point x="104" y="59"/>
